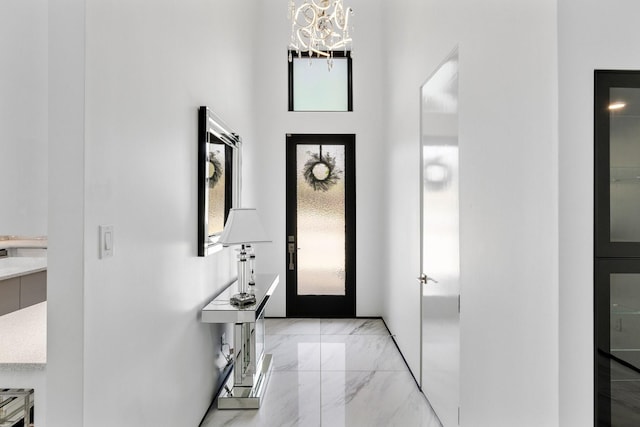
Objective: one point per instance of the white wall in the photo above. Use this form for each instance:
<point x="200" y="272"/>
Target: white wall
<point x="409" y="60"/>
<point x="266" y="158"/>
<point x="23" y="117"/>
<point x="508" y="198"/>
<point x="65" y="269"/>
<point x="135" y="352"/>
<point x="592" y="35"/>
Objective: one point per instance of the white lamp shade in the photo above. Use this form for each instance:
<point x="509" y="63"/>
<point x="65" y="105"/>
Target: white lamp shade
<point x="243" y="226"/>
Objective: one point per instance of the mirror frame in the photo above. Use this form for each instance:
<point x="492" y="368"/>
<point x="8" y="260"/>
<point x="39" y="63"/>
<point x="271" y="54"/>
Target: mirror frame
<point x="212" y="130"/>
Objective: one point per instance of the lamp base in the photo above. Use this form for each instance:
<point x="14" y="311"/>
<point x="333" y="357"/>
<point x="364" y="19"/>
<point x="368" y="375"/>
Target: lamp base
<point x="243" y="299"/>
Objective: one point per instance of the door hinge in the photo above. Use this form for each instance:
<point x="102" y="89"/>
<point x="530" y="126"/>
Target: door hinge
<point x="458" y="303"/>
<point x="458" y="415"/>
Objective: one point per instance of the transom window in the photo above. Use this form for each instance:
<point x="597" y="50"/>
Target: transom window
<point x="314" y="86"/>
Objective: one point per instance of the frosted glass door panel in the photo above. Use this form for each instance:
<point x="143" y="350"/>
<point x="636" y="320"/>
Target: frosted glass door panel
<point x="625" y="349"/>
<point x="625" y="164"/>
<point x="321" y="219"/>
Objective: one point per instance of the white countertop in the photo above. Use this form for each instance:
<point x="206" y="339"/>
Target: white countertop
<point x="23" y="242"/>
<point x="19" y="266"/>
<point x="23" y="337"/>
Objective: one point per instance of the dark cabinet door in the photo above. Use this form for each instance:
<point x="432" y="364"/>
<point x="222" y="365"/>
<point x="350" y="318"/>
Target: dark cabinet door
<point x="617" y="248"/>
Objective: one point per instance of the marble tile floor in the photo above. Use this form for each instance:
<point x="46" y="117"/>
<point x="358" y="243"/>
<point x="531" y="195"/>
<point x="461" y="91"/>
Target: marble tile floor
<point x="333" y="373"/>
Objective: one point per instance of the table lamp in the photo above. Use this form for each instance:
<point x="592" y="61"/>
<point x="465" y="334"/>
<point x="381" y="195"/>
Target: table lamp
<point x="243" y="226"/>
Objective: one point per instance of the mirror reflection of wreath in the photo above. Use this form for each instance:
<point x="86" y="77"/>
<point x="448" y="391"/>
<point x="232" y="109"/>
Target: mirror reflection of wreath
<point x="214" y="170"/>
<point x="320" y="171"/>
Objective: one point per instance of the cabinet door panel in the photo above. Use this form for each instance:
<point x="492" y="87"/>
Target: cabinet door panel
<point x="33" y="289"/>
<point x="618" y="342"/>
<point x="9" y="295"/>
<point x="617" y="161"/>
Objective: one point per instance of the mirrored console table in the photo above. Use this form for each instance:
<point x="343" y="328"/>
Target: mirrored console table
<point x="252" y="367"/>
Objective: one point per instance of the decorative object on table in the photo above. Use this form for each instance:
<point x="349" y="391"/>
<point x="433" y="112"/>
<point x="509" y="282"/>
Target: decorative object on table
<point x="252" y="265"/>
<point x="320" y="27"/>
<point x="242" y="228"/>
<point x="218" y="178"/>
<point x="320" y="171"/>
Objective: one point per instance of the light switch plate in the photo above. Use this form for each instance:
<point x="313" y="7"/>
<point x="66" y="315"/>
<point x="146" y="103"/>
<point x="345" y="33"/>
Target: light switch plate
<point x="106" y="241"/>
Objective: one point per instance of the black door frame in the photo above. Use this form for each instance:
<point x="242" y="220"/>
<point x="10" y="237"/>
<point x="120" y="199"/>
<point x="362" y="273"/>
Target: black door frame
<point x="322" y="305"/>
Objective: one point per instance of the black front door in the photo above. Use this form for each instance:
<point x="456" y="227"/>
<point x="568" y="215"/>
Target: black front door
<point x="320" y="241"/>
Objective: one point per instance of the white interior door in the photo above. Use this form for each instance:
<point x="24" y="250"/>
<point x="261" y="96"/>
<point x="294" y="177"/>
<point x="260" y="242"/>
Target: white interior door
<point x="440" y="237"/>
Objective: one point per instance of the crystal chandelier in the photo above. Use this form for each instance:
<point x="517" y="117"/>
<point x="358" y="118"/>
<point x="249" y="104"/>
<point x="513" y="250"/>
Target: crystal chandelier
<point x="320" y="27"/>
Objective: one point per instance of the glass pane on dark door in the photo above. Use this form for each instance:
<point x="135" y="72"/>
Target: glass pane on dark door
<point x="321" y="222"/>
<point x="624" y="152"/>
<point x="625" y="349"/>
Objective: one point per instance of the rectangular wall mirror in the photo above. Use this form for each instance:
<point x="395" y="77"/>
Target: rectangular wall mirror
<point x="219" y="164"/>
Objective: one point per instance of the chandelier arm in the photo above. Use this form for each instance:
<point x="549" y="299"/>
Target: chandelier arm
<point x="301" y="40"/>
<point x="318" y="52"/>
<point x="328" y="4"/>
<point x="345" y="26"/>
<point x="339" y="45"/>
<point x="309" y="20"/>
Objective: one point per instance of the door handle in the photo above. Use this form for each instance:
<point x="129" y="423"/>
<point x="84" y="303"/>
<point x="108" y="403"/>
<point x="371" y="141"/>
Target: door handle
<point x="292" y="249"/>
<point x="424" y="279"/>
